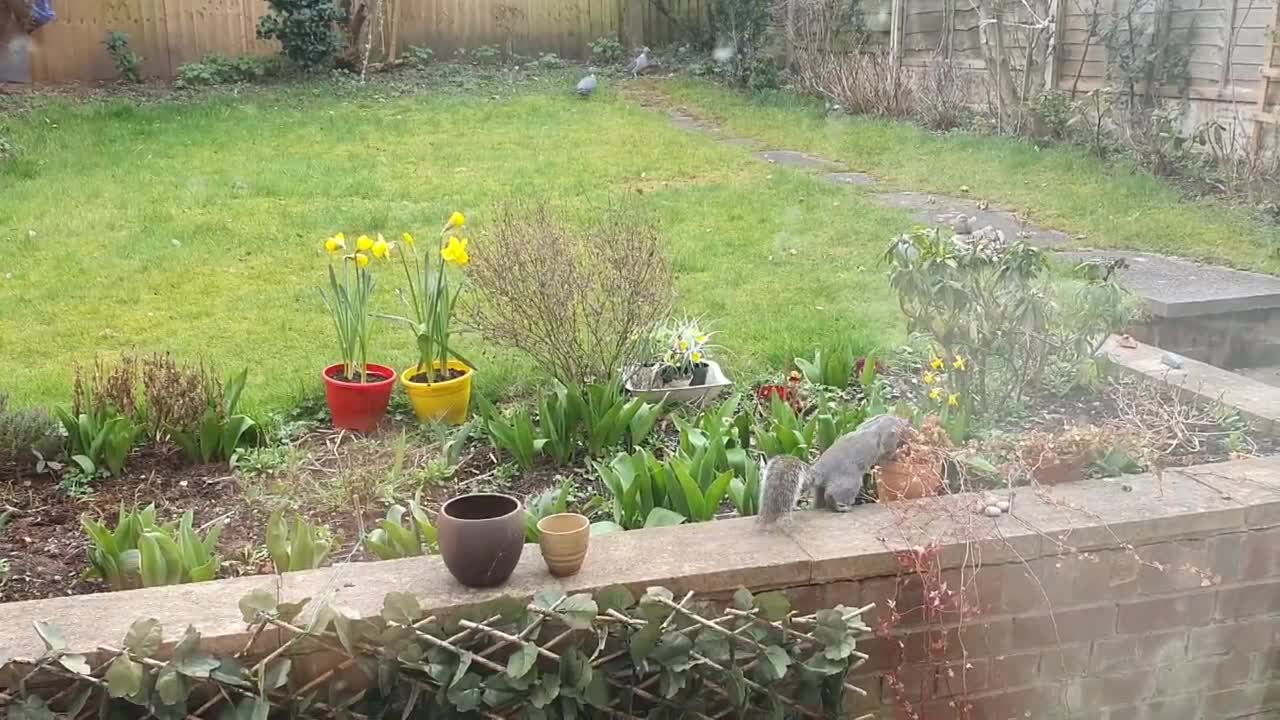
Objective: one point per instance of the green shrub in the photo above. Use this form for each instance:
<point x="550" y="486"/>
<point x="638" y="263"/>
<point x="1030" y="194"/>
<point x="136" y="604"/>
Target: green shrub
<point x="420" y="56"/>
<point x="223" y="70"/>
<point x="127" y="62"/>
<point x="98" y="441"/>
<point x="606" y="50"/>
<point x="301" y="547"/>
<point x="222" y="430"/>
<point x="392" y="540"/>
<point x="140" y="553"/>
<point x="24" y="431"/>
<point x="308" y="30"/>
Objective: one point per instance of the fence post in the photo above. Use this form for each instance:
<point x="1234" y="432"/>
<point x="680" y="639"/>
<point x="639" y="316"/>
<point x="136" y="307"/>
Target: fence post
<point x="632" y="23"/>
<point x="896" y="23"/>
<point x="1057" y="10"/>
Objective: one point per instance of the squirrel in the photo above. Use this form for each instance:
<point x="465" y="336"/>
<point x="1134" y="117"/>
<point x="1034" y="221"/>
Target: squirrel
<point x="835" y="478"/>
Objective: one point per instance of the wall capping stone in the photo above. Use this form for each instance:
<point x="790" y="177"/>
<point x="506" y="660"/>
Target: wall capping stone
<point x="718" y="557"/>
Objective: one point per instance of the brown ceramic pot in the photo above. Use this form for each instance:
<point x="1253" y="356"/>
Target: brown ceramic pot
<point x="897" y="480"/>
<point x="481" y="537"/>
<point x="563" y="538"/>
<point x="1063" y="471"/>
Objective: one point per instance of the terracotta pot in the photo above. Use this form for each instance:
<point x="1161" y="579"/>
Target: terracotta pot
<point x="358" y="406"/>
<point x="563" y="538"/>
<point x="1063" y="471"/>
<point x="897" y="480"/>
<point x="481" y="537"/>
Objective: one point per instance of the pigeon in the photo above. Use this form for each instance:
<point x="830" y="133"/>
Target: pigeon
<point x="586" y="85"/>
<point x="637" y="66"/>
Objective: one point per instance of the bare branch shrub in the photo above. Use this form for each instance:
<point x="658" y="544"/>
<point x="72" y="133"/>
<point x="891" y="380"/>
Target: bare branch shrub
<point x="581" y="300"/>
<point x="177" y="395"/>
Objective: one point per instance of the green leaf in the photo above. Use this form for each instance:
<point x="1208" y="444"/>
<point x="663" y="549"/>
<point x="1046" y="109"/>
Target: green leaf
<point x="713" y="645"/>
<point x="673" y="649"/>
<point x="578" y="611"/>
<point x="170" y="686"/>
<point x="276" y="675"/>
<point x="76" y="664"/>
<point x="522" y="660"/>
<point x="257" y="601"/>
<point x="546" y="691"/>
<point x="773" y="606"/>
<point x="123" y="677"/>
<point x="615" y="597"/>
<point x="278" y="542"/>
<point x="144" y="638"/>
<point x="662" y="517"/>
<point x="823" y="665"/>
<point x="644" y="641"/>
<point x="401" y="608"/>
<point x="575" y="670"/>
<point x="605" y="527"/>
<point x="597" y="692"/>
<point x="775" y="663"/>
<point x="466" y="694"/>
<point x="743" y="600"/>
<point x="52" y="637"/>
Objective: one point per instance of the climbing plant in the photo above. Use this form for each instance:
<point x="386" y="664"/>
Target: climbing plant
<point x="556" y="656"/>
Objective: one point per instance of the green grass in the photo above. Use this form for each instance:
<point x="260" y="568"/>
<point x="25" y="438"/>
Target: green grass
<point x="196" y="227"/>
<point x="1111" y="205"/>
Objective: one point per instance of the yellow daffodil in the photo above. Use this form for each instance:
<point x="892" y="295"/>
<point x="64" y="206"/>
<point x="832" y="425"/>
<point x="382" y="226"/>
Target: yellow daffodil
<point x="335" y="244"/>
<point x="361" y="259"/>
<point x="684" y="345"/>
<point x="381" y="248"/>
<point x="364" y="243"/>
<point x="696" y="357"/>
<point x="935" y="394"/>
<point x="455" y="251"/>
<point x="929" y="378"/>
<point x="701" y="338"/>
<point x="408" y="240"/>
<point x="959" y="363"/>
<point x="936" y="363"/>
<point x="953" y="400"/>
<point x="456" y="220"/>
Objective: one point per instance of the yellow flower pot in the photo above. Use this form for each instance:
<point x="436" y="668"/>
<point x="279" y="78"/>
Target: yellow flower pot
<point x="446" y="401"/>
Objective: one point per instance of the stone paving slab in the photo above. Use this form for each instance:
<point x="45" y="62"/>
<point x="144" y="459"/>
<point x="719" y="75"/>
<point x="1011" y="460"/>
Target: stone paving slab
<point x="944" y="210"/>
<point x="1174" y="287"/>
<point x="850" y="178"/>
<point x="800" y="160"/>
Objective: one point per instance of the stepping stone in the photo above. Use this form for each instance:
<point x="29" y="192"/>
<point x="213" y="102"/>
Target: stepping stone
<point x="691" y="123"/>
<point x="849" y="178"/>
<point x="943" y="210"/>
<point x="794" y="159"/>
<point x="1179" y="288"/>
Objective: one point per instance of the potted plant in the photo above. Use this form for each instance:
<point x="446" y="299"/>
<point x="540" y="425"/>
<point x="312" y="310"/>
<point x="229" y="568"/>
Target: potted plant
<point x="439" y="384"/>
<point x="916" y="469"/>
<point x="682" y="369"/>
<point x="357" y="391"/>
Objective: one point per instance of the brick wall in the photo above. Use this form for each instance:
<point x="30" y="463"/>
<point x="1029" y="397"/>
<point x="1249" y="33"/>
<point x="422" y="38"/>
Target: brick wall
<point x="1192" y="630"/>
<point x="1244" y="339"/>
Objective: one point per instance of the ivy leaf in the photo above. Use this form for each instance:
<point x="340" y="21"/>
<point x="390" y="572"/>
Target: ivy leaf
<point x="170" y="686"/>
<point x="643" y="642"/>
<point x="652" y="606"/>
<point x="401" y="608"/>
<point x="673" y="649"/>
<point x="743" y="600"/>
<point x="833" y="632"/>
<point x="76" y="664"/>
<point x="187" y="658"/>
<point x="52" y="637"/>
<point x="578" y="611"/>
<point x="547" y="599"/>
<point x="497" y="698"/>
<point x="258" y="601"/>
<point x="276" y="674"/>
<point x="288" y="612"/>
<point x="615" y="597"/>
<point x="575" y="670"/>
<point x="671" y="682"/>
<point x="737" y="687"/>
<point x="775" y="663"/>
<point x="823" y="665"/>
<point x="229" y="672"/>
<point x="522" y="660"/>
<point x="546" y="691"/>
<point x="597" y="692"/>
<point x="713" y="645"/>
<point x="506" y="608"/>
<point x="464" y="664"/>
<point x="466" y="693"/>
<point x="144" y="638"/>
<point x="32" y="707"/>
<point x="124" y="677"/>
<point x="533" y="713"/>
<point x="773" y="606"/>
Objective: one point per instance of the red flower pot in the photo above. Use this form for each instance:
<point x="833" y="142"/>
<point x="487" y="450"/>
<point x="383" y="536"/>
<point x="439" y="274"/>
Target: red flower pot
<point x="358" y="406"/>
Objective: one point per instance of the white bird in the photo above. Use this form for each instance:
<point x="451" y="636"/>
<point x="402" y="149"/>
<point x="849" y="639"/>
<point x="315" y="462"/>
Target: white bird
<point x="586" y="85"/>
<point x="637" y="66"/>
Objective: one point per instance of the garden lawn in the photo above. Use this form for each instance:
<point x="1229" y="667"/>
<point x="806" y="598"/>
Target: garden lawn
<point x="1105" y="205"/>
<point x="196" y="227"/>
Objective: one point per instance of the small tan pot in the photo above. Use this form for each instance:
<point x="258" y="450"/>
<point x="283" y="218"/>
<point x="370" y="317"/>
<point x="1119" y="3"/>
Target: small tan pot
<point x="563" y="538"/>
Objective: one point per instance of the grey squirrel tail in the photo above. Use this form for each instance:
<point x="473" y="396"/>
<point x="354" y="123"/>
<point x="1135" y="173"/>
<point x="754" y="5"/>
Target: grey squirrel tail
<point x="785" y="480"/>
